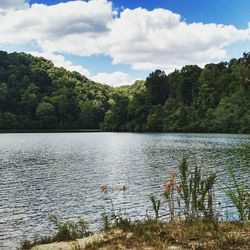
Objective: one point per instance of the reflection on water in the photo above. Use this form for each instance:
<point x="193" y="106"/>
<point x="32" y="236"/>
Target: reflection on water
<point x="62" y="173"/>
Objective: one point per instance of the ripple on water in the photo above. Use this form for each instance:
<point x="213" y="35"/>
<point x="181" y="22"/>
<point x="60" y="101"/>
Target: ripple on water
<point x="62" y="173"/>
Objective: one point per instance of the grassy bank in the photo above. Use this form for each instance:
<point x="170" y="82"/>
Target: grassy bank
<point x="192" y="219"/>
<point x="151" y="234"/>
<point x="155" y="234"/>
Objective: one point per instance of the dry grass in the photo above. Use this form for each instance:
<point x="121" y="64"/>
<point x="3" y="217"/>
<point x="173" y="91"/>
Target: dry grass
<point x="176" y="235"/>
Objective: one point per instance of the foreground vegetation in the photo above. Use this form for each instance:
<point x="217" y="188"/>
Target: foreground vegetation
<point x="151" y="234"/>
<point x="155" y="234"/>
<point x="65" y="231"/>
<point x="191" y="220"/>
<point x="36" y="95"/>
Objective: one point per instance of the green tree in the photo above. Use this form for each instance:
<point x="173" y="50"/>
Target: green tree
<point x="30" y="99"/>
<point x="187" y="87"/>
<point x="8" y="120"/>
<point x="46" y="115"/>
<point x="157" y="87"/>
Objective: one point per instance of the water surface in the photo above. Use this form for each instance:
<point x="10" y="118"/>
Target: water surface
<point x="62" y="173"/>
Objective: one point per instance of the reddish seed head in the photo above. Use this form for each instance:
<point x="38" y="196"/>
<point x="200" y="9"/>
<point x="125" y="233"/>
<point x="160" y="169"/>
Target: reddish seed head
<point x="104" y="189"/>
<point x="180" y="189"/>
<point x="169" y="185"/>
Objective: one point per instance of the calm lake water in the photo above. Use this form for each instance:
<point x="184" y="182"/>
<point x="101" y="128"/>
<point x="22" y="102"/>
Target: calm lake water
<point x="62" y="173"/>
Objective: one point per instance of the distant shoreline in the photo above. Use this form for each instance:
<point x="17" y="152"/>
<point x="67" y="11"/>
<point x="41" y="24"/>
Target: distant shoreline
<point x="20" y="131"/>
<point x="13" y="131"/>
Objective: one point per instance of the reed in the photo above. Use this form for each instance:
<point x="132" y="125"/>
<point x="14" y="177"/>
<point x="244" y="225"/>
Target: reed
<point x="239" y="194"/>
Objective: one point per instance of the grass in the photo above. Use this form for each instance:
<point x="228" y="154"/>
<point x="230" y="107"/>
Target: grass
<point x="65" y="231"/>
<point x="239" y="195"/>
<point x="152" y="234"/>
<point x="196" y="226"/>
<point x="156" y="204"/>
<point x="69" y="230"/>
<point x="195" y="193"/>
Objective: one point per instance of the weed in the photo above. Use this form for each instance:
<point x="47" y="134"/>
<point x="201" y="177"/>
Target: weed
<point x="25" y="245"/>
<point x="156" y="203"/>
<point x="65" y="231"/>
<point x="239" y="195"/>
<point x="195" y="193"/>
<point x="69" y="230"/>
<point x="122" y="221"/>
<point x="169" y="192"/>
<point x="106" y="222"/>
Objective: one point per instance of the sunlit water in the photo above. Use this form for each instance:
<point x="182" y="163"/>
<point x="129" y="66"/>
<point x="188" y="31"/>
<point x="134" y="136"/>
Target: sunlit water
<point x="62" y="173"/>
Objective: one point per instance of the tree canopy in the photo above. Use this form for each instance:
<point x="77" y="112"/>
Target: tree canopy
<point x="34" y="94"/>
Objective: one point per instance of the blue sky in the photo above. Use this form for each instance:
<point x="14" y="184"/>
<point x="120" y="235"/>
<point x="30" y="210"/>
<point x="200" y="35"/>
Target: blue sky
<point x="120" y="41"/>
<point x="234" y="12"/>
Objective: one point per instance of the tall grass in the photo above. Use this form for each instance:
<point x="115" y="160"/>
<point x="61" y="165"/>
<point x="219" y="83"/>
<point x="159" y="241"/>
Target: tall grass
<point x="65" y="231"/>
<point x="156" y="204"/>
<point x="169" y="194"/>
<point x="239" y="195"/>
<point x="193" y="193"/>
<point x="69" y="230"/>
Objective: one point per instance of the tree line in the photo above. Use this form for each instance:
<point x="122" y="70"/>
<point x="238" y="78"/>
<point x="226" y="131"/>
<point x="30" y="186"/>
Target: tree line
<point x="34" y="94"/>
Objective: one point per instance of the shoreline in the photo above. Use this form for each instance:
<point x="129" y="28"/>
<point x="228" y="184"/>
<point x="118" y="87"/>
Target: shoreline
<point x="154" y="235"/>
<point x="34" y="131"/>
<point x="69" y="245"/>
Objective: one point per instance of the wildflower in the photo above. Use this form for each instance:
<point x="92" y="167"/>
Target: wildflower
<point x="172" y="176"/>
<point x="180" y="188"/>
<point x="104" y="189"/>
<point x="169" y="194"/>
<point x="169" y="185"/>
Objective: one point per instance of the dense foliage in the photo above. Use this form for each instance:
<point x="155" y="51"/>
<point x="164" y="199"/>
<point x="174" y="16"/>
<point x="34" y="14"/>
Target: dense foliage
<point x="34" y="94"/>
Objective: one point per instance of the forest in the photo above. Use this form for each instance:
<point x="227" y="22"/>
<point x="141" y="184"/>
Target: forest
<point x="34" y="94"/>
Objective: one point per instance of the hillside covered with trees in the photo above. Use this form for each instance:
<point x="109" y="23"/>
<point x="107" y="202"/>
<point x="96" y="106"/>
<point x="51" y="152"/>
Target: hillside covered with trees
<point x="36" y="95"/>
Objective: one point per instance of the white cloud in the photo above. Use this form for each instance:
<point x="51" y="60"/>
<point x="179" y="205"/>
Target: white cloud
<point x="141" y="38"/>
<point x="13" y="4"/>
<point x="117" y="78"/>
<point x="160" y="39"/>
<point x="59" y="61"/>
<point x="71" y="27"/>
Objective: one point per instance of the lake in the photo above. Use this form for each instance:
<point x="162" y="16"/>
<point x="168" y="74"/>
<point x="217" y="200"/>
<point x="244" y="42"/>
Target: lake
<point x="62" y="173"/>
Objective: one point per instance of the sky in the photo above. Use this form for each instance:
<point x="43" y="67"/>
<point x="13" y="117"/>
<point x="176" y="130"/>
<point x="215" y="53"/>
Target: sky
<point x="120" y="41"/>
